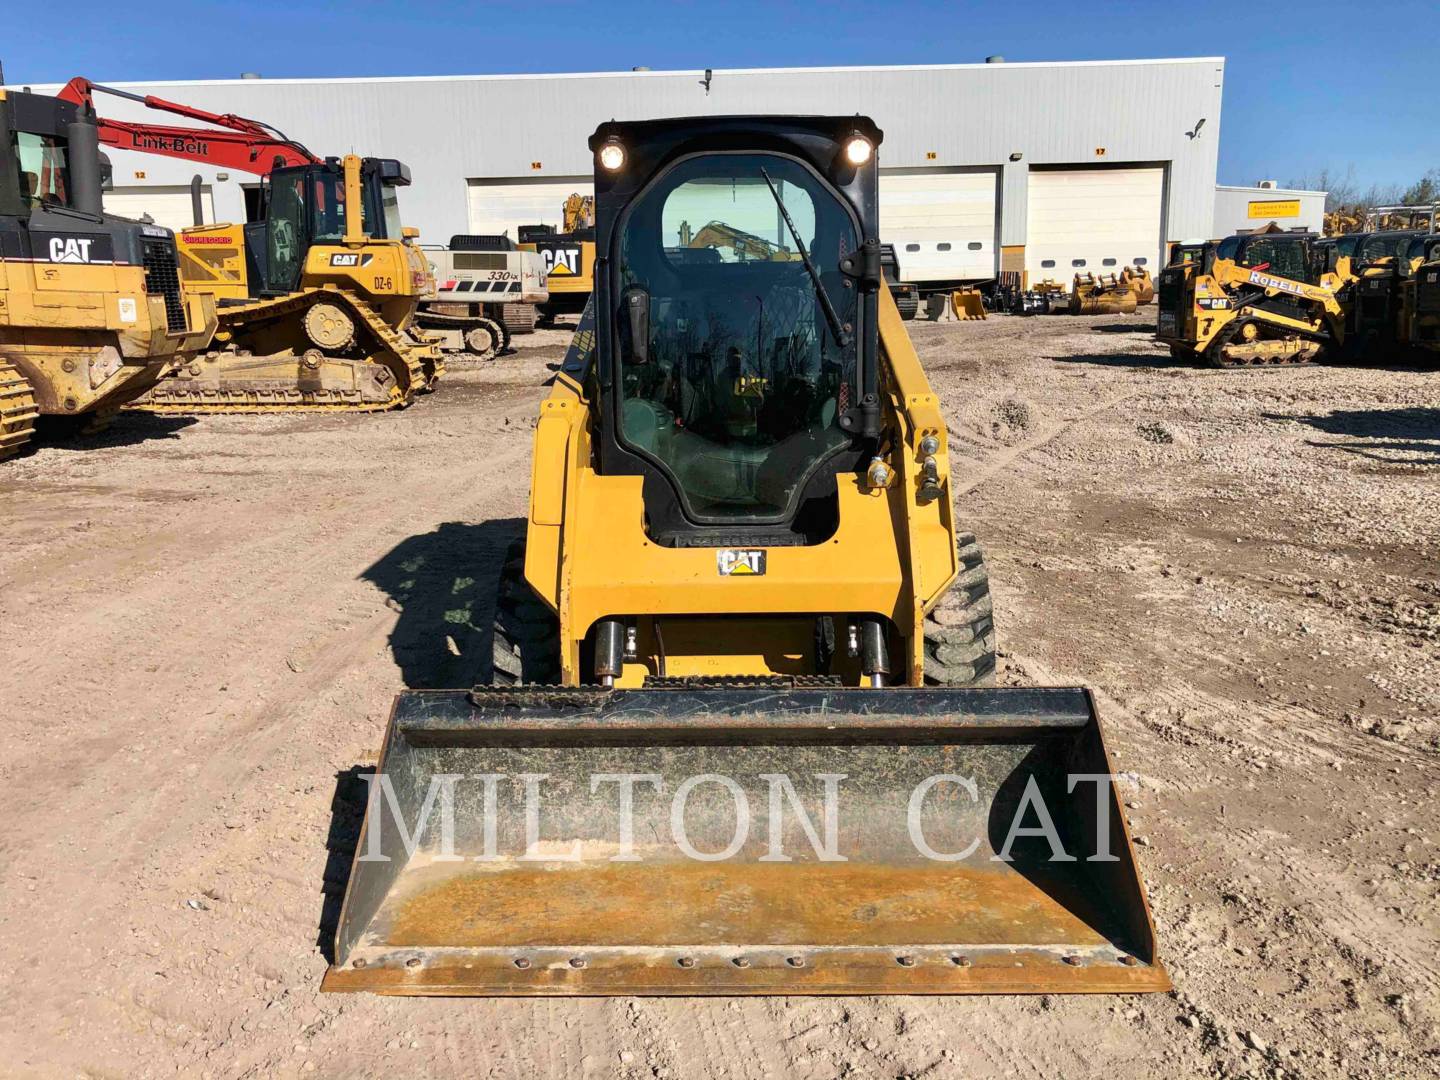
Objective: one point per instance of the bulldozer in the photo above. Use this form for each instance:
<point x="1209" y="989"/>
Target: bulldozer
<point x="1252" y="299"/>
<point x="91" y="312"/>
<point x="569" y="255"/>
<point x="317" y="300"/>
<point x="740" y="733"/>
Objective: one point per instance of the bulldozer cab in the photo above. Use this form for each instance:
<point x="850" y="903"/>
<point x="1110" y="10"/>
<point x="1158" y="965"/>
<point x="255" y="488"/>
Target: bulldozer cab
<point x="737" y="386"/>
<point x="327" y="204"/>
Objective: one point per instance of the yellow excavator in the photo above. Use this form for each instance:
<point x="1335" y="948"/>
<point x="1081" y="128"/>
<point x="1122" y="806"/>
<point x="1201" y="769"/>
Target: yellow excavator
<point x="719" y="237"/>
<point x="1250" y="299"/>
<point x="317" y="300"/>
<point x="737" y="731"/>
<point x="91" y="312"/>
<point x="569" y="255"/>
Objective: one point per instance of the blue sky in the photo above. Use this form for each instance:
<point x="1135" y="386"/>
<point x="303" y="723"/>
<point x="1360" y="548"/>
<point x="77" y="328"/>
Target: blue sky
<point x="1307" y="86"/>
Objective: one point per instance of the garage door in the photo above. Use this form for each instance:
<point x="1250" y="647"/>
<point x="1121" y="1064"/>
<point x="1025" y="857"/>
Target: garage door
<point x="169" y="206"/>
<point x="941" y="222"/>
<point x="503" y="205"/>
<point x="1094" y="220"/>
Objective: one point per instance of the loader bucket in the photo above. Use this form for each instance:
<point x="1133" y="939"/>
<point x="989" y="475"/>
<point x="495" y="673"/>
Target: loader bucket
<point x="801" y="840"/>
<point x="967" y="304"/>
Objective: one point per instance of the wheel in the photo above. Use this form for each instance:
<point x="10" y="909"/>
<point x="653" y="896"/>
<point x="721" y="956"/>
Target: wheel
<point x="909" y="305"/>
<point x="526" y="647"/>
<point x="329" y="326"/>
<point x="960" y="629"/>
<point x="482" y="340"/>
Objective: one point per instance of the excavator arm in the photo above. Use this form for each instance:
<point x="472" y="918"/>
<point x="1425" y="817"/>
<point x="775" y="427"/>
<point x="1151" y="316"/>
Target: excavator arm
<point x="235" y="142"/>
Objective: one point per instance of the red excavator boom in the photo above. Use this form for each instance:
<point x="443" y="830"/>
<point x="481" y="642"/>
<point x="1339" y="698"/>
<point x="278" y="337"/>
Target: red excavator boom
<point x="235" y="143"/>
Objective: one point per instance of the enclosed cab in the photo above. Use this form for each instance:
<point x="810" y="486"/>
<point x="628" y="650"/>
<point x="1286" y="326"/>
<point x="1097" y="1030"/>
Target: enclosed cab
<point x="91" y="309"/>
<point x="306" y="238"/>
<point x="1420" y="293"/>
<point x="1374" y="290"/>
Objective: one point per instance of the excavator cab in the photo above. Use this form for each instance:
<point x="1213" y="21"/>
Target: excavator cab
<point x="736" y="735"/>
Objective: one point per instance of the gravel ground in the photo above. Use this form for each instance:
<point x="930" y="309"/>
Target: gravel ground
<point x="205" y="622"/>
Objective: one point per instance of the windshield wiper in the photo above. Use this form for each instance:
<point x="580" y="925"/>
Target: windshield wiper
<point x="841" y="337"/>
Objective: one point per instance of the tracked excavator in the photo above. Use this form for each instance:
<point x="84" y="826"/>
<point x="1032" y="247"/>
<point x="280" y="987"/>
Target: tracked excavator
<point x="91" y="312"/>
<point x="569" y="254"/>
<point x="1248" y="300"/>
<point x="738" y="733"/>
<point x="316" y="301"/>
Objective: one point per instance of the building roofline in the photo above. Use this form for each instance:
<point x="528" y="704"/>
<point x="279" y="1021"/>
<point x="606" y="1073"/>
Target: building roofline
<point x="1274" y="190"/>
<point x="647" y="74"/>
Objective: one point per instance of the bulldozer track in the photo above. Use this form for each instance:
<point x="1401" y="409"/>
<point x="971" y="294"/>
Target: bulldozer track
<point x="417" y="360"/>
<point x="18" y="410"/>
<point x="500" y="336"/>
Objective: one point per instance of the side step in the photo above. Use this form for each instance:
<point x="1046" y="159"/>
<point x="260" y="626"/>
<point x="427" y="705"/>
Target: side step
<point x="795" y="841"/>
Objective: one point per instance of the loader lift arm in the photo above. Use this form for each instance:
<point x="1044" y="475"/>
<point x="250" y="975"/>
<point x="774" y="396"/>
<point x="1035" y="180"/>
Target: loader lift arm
<point x="236" y="142"/>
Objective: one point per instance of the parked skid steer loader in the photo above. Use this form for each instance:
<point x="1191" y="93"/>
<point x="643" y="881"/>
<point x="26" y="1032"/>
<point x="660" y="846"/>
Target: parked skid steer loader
<point x="738" y="738"/>
<point x="1250" y="300"/>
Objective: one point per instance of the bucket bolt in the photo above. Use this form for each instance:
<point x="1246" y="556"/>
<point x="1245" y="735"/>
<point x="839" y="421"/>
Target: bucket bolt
<point x="609" y="650"/>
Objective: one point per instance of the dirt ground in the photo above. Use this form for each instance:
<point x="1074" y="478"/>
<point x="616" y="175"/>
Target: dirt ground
<point x="204" y="623"/>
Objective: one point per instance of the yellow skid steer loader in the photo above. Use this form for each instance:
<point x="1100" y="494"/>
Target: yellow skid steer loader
<point x="740" y="737"/>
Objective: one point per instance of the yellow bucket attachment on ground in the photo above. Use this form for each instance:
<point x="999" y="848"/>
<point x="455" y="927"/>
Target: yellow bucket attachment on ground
<point x="744" y="839"/>
<point x="1140" y="283"/>
<point x="967" y="304"/>
<point x="1100" y="295"/>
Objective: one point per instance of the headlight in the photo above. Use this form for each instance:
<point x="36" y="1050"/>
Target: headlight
<point x="858" y="150"/>
<point x="612" y="155"/>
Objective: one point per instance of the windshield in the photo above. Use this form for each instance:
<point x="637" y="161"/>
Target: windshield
<point x="741" y="390"/>
<point x="1382" y="246"/>
<point x="390" y="210"/>
<point x="1287" y="258"/>
<point x="43" y="175"/>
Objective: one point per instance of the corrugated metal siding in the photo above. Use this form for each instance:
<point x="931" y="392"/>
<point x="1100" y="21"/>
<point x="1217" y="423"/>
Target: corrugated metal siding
<point x="448" y="130"/>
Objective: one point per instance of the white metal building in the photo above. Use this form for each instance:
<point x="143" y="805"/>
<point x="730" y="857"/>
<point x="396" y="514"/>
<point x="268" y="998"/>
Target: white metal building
<point x="1245" y="208"/>
<point x="1046" y="168"/>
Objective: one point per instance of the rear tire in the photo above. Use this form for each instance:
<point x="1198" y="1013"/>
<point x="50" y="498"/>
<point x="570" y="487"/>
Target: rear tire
<point x="526" y="646"/>
<point x="960" y="629"/>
